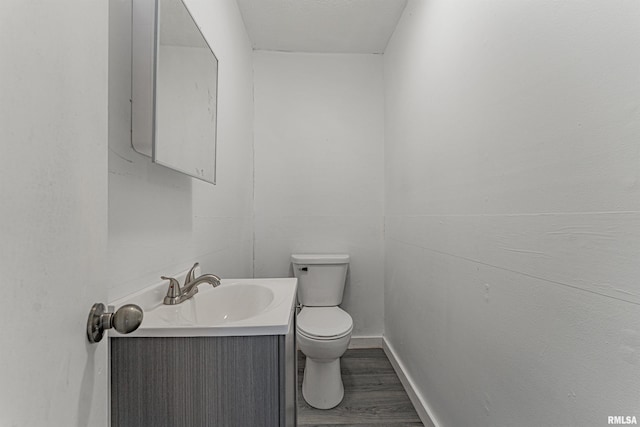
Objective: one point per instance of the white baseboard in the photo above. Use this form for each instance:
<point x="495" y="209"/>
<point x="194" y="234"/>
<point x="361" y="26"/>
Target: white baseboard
<point x="365" y="342"/>
<point x="418" y="401"/>
<point x="361" y="342"/>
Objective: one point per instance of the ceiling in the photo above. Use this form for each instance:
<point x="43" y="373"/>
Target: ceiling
<point x="336" y="26"/>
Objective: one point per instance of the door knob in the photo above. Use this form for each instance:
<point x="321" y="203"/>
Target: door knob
<point x="125" y="320"/>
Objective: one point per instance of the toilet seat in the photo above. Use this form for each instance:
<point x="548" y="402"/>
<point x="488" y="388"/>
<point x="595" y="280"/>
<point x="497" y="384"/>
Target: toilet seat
<point x="324" y="323"/>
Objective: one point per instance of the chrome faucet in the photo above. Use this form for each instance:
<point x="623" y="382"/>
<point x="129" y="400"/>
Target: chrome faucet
<point x="175" y="295"/>
<point x="191" y="275"/>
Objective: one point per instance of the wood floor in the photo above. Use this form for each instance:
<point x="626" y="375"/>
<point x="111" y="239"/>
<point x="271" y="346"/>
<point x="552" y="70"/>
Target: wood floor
<point x="373" y="395"/>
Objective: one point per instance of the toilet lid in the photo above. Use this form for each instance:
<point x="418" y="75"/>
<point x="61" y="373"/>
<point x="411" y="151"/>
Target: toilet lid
<point x="324" y="322"/>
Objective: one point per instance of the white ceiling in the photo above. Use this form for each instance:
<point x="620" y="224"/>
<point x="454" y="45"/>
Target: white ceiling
<point x="341" y="26"/>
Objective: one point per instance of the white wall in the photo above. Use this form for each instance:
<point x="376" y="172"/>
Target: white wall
<point x="53" y="211"/>
<point x="159" y="220"/>
<point x="513" y="209"/>
<point x="318" y="169"/>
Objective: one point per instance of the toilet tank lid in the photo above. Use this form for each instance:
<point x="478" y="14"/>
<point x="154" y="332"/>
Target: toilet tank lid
<point x="320" y="259"/>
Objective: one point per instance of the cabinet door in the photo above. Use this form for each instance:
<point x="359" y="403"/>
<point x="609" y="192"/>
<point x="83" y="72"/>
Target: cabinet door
<point x="195" y="381"/>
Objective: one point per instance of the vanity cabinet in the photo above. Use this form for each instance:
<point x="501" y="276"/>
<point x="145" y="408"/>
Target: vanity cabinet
<point x="226" y="381"/>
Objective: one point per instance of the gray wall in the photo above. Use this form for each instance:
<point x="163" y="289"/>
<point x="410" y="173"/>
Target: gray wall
<point x="319" y="170"/>
<point x="513" y="209"/>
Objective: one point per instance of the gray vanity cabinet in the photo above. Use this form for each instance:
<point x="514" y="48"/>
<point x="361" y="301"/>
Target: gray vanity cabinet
<point x="204" y="381"/>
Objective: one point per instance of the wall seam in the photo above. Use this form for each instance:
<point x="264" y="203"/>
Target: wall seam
<point x="253" y="167"/>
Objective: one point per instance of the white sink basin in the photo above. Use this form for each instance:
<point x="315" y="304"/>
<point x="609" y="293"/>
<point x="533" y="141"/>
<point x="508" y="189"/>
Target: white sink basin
<point x="236" y="307"/>
<point x="231" y="302"/>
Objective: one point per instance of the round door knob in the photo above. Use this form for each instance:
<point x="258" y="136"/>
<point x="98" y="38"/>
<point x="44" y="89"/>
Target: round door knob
<point x="125" y="320"/>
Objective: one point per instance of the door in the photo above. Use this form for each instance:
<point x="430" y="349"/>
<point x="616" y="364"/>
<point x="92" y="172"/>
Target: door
<point x="53" y="211"/>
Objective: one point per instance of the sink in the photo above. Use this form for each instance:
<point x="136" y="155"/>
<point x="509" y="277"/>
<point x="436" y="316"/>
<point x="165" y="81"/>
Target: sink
<point x="230" y="302"/>
<point x="236" y="307"/>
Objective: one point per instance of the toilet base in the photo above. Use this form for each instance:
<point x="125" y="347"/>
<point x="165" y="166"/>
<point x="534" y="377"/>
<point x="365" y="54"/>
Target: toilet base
<point x="322" y="385"/>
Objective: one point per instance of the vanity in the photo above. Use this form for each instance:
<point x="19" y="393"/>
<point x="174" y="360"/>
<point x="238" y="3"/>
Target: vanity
<point x="225" y="357"/>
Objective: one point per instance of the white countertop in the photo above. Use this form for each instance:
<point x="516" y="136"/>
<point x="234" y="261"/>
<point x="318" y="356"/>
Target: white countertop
<point x="192" y="318"/>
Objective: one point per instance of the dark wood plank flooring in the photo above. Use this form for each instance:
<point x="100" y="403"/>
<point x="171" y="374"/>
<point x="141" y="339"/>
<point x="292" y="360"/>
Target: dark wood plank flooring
<point x="373" y="395"/>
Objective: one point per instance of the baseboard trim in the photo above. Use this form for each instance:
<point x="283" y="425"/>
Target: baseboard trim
<point x="365" y="342"/>
<point x="418" y="401"/>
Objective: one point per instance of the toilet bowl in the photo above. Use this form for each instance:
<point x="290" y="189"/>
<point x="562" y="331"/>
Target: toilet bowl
<point x="323" y="330"/>
<point x="323" y="335"/>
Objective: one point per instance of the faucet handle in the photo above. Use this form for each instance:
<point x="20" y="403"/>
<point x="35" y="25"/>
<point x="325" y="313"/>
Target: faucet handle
<point x="191" y="275"/>
<point x="174" y="290"/>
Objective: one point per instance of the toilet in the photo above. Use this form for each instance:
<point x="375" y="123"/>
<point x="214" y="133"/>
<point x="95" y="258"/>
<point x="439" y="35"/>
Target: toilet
<point x="323" y="330"/>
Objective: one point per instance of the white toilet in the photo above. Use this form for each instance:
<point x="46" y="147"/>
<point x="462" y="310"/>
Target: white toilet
<point x="323" y="329"/>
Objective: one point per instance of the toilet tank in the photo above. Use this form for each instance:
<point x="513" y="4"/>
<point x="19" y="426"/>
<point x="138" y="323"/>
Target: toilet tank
<point x="321" y="278"/>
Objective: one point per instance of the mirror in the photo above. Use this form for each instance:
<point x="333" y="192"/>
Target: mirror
<point x="174" y="89"/>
